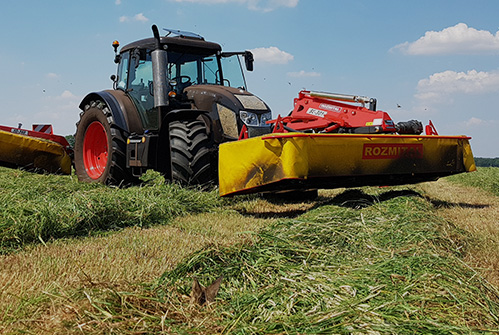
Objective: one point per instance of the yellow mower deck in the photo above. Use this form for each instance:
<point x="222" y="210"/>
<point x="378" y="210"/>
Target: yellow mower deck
<point x="294" y="161"/>
<point x="30" y="152"/>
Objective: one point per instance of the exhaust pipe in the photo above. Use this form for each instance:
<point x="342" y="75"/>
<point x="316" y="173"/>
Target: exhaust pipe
<point x="159" y="60"/>
<point x="159" y="65"/>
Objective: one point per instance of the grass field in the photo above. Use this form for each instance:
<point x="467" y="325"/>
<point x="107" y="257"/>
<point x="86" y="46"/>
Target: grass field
<point x="39" y="208"/>
<point x="486" y="178"/>
<point x="471" y="202"/>
<point x="89" y="259"/>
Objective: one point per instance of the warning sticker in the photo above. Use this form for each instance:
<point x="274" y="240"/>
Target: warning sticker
<point x="316" y="112"/>
<point x="19" y="131"/>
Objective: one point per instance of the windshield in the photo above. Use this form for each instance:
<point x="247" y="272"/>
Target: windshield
<point x="193" y="69"/>
<point x="232" y="71"/>
<point x="189" y="69"/>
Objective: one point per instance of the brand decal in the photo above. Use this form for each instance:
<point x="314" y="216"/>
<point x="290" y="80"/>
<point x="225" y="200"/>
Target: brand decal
<point x="392" y="151"/>
<point x="330" y="107"/>
<point x="316" y="112"/>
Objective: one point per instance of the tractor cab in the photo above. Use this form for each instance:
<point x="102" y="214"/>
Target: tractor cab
<point x="190" y="61"/>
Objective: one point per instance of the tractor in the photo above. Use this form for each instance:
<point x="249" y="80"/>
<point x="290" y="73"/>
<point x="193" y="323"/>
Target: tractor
<point x="180" y="106"/>
<point x="175" y="99"/>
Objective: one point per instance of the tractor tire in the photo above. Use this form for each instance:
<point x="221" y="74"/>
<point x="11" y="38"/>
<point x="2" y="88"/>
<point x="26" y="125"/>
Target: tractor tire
<point x="192" y="158"/>
<point x="100" y="148"/>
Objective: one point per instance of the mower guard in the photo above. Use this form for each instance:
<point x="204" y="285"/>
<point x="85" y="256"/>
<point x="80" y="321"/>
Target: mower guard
<point x="300" y="161"/>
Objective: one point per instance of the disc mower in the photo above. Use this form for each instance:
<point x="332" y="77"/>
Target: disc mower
<point x="328" y="142"/>
<point x="36" y="149"/>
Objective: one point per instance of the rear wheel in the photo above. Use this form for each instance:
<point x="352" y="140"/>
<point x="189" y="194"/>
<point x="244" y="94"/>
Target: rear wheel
<point x="100" y="147"/>
<point x="192" y="158"/>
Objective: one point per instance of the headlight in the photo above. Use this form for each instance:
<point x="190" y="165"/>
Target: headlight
<point x="265" y="117"/>
<point x="249" y="119"/>
<point x="255" y="120"/>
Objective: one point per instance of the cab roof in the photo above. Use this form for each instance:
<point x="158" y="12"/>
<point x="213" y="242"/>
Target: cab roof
<point x="179" y="44"/>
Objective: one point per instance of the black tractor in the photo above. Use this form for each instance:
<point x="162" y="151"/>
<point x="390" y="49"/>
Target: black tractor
<point x="175" y="98"/>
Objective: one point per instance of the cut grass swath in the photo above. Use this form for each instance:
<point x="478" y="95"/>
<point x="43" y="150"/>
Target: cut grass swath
<point x="386" y="268"/>
<point x="50" y="207"/>
<point x="486" y="178"/>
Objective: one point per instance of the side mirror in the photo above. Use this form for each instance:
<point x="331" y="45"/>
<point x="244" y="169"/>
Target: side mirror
<point x="248" y="60"/>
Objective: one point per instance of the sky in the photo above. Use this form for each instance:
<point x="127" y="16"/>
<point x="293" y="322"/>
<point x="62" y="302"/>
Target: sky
<point x="427" y="60"/>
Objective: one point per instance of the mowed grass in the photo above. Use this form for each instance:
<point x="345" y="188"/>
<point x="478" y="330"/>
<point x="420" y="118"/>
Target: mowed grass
<point x="39" y="208"/>
<point x="50" y="289"/>
<point x="370" y="261"/>
<point x="486" y="178"/>
<point x="362" y="261"/>
<point x="474" y="208"/>
<point x="62" y="239"/>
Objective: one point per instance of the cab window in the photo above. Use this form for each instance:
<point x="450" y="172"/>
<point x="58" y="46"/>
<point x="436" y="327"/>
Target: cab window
<point x="122" y="76"/>
<point x="140" y="88"/>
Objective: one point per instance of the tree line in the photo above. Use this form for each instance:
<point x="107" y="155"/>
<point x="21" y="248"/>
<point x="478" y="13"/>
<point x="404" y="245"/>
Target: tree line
<point x="487" y="162"/>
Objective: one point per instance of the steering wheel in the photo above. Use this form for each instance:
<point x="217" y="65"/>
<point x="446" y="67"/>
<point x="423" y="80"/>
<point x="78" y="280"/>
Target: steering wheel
<point x="181" y="80"/>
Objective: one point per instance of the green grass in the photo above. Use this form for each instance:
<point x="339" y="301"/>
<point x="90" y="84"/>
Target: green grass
<point x="369" y="261"/>
<point x="387" y="268"/>
<point x="486" y="178"/>
<point x="39" y="208"/>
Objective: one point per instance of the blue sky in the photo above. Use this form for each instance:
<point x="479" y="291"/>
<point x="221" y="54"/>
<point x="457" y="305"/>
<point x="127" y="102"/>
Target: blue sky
<point x="438" y="60"/>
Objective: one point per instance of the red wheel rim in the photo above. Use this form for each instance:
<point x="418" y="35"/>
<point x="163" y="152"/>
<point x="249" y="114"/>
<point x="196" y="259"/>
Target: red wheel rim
<point x="95" y="150"/>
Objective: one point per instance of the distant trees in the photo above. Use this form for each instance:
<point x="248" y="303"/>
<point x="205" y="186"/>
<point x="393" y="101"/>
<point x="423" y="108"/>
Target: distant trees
<point x="71" y="140"/>
<point x="486" y="162"/>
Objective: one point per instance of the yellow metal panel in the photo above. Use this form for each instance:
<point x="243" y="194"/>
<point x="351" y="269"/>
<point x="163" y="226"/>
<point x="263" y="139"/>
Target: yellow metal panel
<point x="25" y="151"/>
<point x="252" y="163"/>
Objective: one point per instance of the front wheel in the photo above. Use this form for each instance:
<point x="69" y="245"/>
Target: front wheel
<point x="192" y="158"/>
<point x="100" y="148"/>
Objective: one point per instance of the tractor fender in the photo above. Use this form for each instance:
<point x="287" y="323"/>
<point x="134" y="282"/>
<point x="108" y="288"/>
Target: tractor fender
<point x="122" y="109"/>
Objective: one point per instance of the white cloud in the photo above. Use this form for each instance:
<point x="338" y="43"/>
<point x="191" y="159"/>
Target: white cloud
<point x="67" y="95"/>
<point x="272" y="55"/>
<point x="302" y="74"/>
<point x="211" y="1"/>
<point x="473" y="121"/>
<point x="137" y="18"/>
<point x="447" y="83"/>
<point x="140" y="17"/>
<point x="52" y="75"/>
<point x="477" y="124"/>
<point x="459" y="39"/>
<point x="257" y="5"/>
<point x="118" y="2"/>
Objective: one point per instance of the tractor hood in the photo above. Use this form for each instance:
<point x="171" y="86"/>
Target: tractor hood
<point x="233" y="98"/>
<point x="225" y="105"/>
